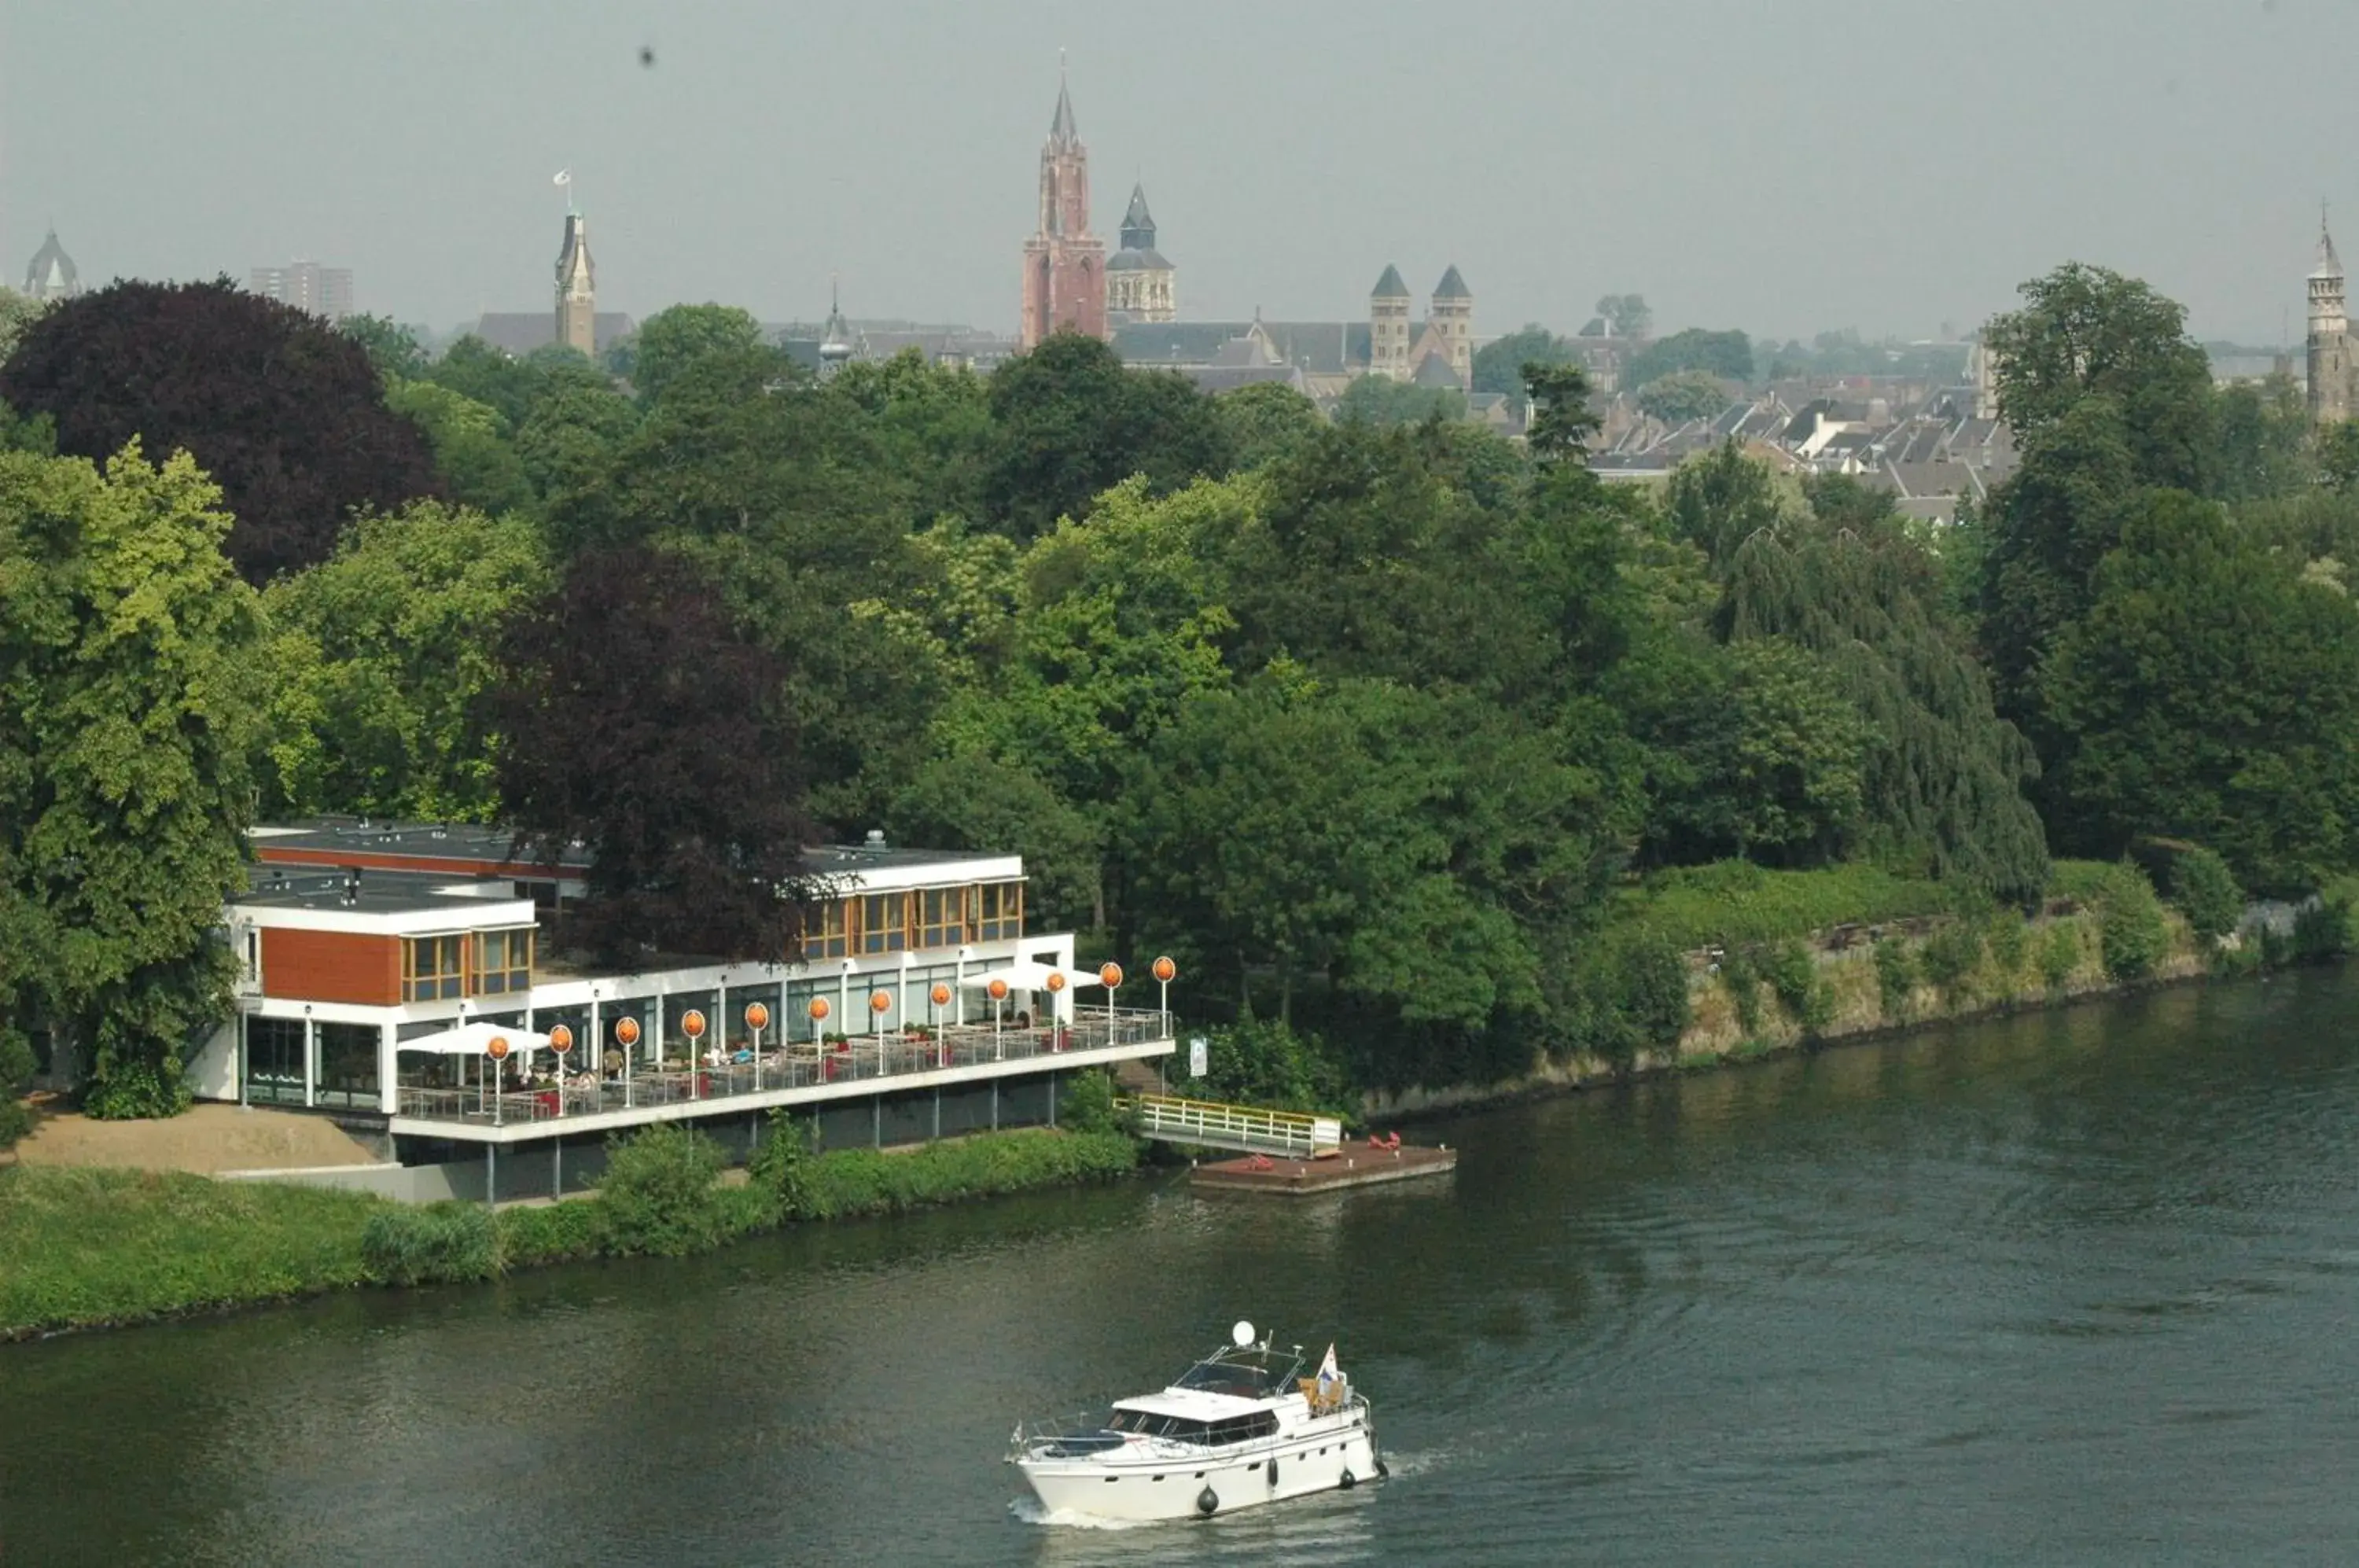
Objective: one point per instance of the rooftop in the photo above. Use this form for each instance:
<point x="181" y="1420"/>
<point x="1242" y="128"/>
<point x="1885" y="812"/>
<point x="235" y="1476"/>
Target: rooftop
<point x="488" y="847"/>
<point x="369" y="892"/>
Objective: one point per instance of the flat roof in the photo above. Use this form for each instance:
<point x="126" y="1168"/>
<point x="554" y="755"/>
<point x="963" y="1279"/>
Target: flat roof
<point x="489" y="848"/>
<point x="377" y="892"/>
<point x="494" y="848"/>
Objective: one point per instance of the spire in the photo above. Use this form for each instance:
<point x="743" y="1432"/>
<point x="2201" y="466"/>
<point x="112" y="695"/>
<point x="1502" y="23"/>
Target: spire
<point x="835" y="338"/>
<point x="1452" y="286"/>
<point x="2329" y="264"/>
<point x="1061" y="129"/>
<point x="1138" y="223"/>
<point x="1390" y="287"/>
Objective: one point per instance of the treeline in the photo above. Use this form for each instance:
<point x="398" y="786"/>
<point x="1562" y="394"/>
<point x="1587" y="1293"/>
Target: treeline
<point x="1372" y="725"/>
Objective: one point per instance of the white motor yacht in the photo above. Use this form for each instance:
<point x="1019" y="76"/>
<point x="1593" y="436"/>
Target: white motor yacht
<point x="1241" y="1427"/>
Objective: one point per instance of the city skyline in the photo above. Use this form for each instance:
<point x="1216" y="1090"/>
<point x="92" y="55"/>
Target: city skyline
<point x="1735" y="172"/>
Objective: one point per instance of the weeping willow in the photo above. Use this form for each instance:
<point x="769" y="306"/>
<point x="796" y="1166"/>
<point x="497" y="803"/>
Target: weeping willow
<point x="1944" y="783"/>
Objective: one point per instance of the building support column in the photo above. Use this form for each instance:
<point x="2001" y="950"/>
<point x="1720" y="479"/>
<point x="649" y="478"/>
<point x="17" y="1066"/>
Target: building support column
<point x="389" y="1061"/>
<point x="311" y="1061"/>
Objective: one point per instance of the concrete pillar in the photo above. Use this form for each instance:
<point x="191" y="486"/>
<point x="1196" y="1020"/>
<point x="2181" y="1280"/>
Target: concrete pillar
<point x="388" y="1086"/>
<point x="310" y="1060"/>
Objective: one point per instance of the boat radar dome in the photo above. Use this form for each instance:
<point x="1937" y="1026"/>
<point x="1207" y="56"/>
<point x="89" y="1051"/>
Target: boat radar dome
<point x="1241" y="1335"/>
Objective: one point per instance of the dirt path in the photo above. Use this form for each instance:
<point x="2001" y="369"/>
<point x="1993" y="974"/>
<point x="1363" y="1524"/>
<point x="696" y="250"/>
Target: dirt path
<point x="208" y="1138"/>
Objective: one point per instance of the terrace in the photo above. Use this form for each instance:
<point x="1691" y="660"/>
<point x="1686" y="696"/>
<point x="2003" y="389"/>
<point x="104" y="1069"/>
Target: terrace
<point x="529" y="1097"/>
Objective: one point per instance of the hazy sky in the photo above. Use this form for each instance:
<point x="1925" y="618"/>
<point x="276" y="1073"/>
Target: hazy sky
<point x="1774" y="167"/>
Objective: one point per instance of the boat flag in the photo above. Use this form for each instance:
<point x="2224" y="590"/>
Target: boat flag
<point x="1328" y="1375"/>
<point x="564" y="177"/>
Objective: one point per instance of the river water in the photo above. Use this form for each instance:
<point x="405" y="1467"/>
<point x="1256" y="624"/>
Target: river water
<point x="2075" y="1288"/>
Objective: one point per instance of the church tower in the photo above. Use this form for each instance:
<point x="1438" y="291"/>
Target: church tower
<point x="1064" y="264"/>
<point x="1388" y="326"/>
<point x="1450" y="312"/>
<point x="577" y="290"/>
<point x="2330" y="378"/>
<point x="52" y="274"/>
<point x="1139" y="280"/>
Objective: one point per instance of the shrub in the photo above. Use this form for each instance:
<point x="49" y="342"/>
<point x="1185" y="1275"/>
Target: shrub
<point x="2009" y="939"/>
<point x="1742" y="977"/>
<point x="430" y="1243"/>
<point x="2131" y="936"/>
<point x="549" y="1232"/>
<point x="2205" y="891"/>
<point x="869" y="1181"/>
<point x="780" y="1168"/>
<point x="1791" y="974"/>
<point x="1085" y="1103"/>
<point x="2322" y="929"/>
<point x="1896" y="977"/>
<point x="1264" y="1062"/>
<point x="1649" y="995"/>
<point x="1624" y="992"/>
<point x="17" y="1069"/>
<point x="658" y="1194"/>
<point x="1948" y="955"/>
<point x="2060" y="953"/>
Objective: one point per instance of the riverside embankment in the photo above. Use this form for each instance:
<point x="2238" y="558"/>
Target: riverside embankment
<point x="96" y="1248"/>
<point x="1857" y="980"/>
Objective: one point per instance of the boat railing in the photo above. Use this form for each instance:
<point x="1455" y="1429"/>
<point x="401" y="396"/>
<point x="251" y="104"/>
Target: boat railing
<point x="1081" y="1435"/>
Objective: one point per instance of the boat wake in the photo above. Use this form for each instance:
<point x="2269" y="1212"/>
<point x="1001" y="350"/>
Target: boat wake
<point x="1029" y="1510"/>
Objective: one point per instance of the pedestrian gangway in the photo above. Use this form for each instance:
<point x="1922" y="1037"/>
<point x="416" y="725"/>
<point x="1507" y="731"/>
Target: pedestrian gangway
<point x="1293" y="1134"/>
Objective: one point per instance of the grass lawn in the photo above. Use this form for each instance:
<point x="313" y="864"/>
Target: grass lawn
<point x="82" y="1247"/>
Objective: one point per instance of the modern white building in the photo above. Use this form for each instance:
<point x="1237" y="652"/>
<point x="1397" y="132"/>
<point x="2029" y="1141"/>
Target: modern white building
<point x="379" y="964"/>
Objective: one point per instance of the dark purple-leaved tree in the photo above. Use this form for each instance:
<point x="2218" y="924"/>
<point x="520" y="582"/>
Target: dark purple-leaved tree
<point x="286" y="413"/>
<point x="638" y="717"/>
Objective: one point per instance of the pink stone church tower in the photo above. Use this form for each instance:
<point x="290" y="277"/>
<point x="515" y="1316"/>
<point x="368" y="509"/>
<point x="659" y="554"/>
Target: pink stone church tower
<point x="1064" y="264"/>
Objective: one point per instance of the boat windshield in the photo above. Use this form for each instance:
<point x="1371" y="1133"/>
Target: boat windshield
<point x="1251" y="1373"/>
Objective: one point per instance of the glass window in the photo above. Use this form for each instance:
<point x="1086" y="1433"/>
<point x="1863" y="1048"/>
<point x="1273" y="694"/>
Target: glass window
<point x="274" y="1061"/>
<point x="348" y="1065"/>
<point x="885" y="922"/>
<point x="1000" y="910"/>
<point x="430" y="968"/>
<point x="827" y="929"/>
<point x="941" y="916"/>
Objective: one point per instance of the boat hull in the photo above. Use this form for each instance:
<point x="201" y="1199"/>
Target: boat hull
<point x="1139" y="1488"/>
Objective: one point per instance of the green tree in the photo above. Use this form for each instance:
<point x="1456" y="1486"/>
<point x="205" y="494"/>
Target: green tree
<point x="2338" y="456"/>
<point x="18" y="312"/>
<point x="1682" y="396"/>
<point x="2263" y="438"/>
<point x="377" y="657"/>
<point x="1265" y="421"/>
<point x="2086" y="331"/>
<point x="1562" y="420"/>
<point x="393" y="348"/>
<point x="1628" y="313"/>
<point x="2212" y="693"/>
<point x="1728" y="355"/>
<point x="1499" y="364"/>
<point x="128" y="710"/>
<point x="471" y="446"/>
<point x="671" y="340"/>
<point x="2205" y="891"/>
<point x="1380" y="400"/>
<point x="1069" y="421"/>
<point x="2048" y="527"/>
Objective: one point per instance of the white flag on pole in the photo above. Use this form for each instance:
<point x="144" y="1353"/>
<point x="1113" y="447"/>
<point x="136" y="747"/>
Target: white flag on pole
<point x="1328" y="1375"/>
<point x="564" y="177"/>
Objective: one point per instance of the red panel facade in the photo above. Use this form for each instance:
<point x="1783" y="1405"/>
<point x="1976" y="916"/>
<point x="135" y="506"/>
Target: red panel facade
<point x="330" y="966"/>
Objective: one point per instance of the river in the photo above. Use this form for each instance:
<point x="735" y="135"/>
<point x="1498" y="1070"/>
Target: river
<point x="2076" y="1287"/>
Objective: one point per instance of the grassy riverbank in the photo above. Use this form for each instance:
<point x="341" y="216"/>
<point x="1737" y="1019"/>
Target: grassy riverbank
<point x="88" y="1248"/>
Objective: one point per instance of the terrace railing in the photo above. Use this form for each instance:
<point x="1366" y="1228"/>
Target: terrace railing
<point x="878" y="1058"/>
